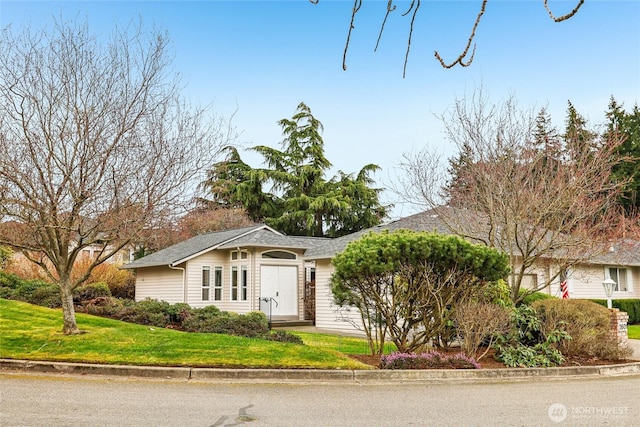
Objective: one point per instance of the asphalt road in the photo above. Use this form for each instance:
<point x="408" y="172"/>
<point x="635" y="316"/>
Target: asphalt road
<point x="66" y="400"/>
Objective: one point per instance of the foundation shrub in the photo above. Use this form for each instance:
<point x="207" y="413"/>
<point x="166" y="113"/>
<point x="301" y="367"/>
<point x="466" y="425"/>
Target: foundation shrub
<point x="251" y="325"/>
<point x="146" y="312"/>
<point x="586" y="322"/>
<point x="179" y="312"/>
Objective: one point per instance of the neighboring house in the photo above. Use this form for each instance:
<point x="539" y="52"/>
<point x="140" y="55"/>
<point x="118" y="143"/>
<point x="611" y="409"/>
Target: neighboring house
<point x="245" y="269"/>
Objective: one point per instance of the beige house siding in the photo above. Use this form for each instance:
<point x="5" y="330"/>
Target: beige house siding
<point x="328" y="315"/>
<point x="586" y="282"/>
<point x="162" y="283"/>
<point x="166" y="284"/>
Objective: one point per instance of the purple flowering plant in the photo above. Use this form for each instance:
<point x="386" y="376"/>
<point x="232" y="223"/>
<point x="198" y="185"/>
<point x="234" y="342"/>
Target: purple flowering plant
<point x="429" y="360"/>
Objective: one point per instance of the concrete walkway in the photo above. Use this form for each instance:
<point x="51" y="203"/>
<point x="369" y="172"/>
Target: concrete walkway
<point x="635" y="346"/>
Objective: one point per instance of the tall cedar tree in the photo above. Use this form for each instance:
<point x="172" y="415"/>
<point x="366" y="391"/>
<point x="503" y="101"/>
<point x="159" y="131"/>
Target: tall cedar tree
<point x="300" y="200"/>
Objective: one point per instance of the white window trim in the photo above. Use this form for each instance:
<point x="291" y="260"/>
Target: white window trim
<point x="295" y="255"/>
<point x="628" y="276"/>
<point x="206" y="286"/>
<point x="239" y="255"/>
<point x="218" y="286"/>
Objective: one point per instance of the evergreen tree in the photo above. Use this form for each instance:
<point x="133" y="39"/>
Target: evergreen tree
<point x="626" y="125"/>
<point x="301" y="201"/>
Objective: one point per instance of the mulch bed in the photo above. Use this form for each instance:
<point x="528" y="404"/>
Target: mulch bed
<point x="489" y="361"/>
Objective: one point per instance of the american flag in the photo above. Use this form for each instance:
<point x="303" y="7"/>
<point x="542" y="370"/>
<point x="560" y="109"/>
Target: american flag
<point x="564" y="289"/>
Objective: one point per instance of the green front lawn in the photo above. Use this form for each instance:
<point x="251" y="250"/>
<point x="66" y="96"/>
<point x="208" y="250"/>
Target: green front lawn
<point x="34" y="333"/>
<point x="634" y="332"/>
<point x="346" y="345"/>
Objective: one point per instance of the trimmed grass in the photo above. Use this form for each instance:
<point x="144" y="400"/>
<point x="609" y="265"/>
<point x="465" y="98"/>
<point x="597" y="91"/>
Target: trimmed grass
<point x="346" y="345"/>
<point x="634" y="331"/>
<point x="34" y="333"/>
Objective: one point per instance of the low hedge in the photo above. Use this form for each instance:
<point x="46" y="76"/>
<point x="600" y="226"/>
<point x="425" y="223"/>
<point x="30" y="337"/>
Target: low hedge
<point x="630" y="306"/>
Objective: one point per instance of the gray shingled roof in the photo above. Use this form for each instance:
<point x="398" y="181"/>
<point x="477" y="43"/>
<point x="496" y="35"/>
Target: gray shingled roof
<point x="622" y="252"/>
<point x="257" y="235"/>
<point x="270" y="239"/>
<point x="423" y="221"/>
<point x="626" y="252"/>
<point x="183" y="250"/>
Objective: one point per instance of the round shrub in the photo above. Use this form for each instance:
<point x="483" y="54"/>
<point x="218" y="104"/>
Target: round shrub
<point x="90" y="291"/>
<point x="146" y="312"/>
<point x="586" y="322"/>
<point x="208" y="320"/>
<point x="46" y="296"/>
<point x="103" y="306"/>
<point x="284" y="336"/>
<point x="179" y="312"/>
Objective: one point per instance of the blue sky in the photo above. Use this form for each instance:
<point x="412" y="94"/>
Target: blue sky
<point x="260" y="59"/>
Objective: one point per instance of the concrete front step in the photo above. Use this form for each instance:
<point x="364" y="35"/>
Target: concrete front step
<point x="290" y="323"/>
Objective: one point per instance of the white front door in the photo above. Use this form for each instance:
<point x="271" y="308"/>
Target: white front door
<point x="281" y="284"/>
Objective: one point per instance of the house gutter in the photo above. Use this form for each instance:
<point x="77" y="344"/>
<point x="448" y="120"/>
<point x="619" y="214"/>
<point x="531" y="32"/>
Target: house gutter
<point x="184" y="281"/>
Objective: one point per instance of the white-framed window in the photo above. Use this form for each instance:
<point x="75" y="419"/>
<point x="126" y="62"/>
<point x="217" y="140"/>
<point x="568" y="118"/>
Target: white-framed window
<point x="217" y="283"/>
<point x="244" y="283"/>
<point x="206" y="283"/>
<point x="239" y="283"/>
<point x="239" y="276"/>
<point x="239" y="255"/>
<point x="620" y="275"/>
<point x="278" y="255"/>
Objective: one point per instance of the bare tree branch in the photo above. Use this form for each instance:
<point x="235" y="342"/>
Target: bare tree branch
<point x="356" y="7"/>
<point x="464" y="59"/>
<point x="563" y="17"/>
<point x="460" y="58"/>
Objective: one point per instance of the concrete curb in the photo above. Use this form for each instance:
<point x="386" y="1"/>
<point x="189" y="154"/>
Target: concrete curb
<point x="280" y="375"/>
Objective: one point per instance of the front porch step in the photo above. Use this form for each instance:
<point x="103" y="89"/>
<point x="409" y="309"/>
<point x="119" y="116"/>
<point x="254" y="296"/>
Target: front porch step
<point x="287" y="323"/>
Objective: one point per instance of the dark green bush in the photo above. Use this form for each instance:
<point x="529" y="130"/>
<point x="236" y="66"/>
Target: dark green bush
<point x="179" y="312"/>
<point x="16" y="288"/>
<point x="125" y="290"/>
<point x="90" y="291"/>
<point x="249" y="325"/>
<point x="586" y="322"/>
<point x="146" y="312"/>
<point x="284" y="336"/>
<point x="36" y="292"/>
<point x="630" y="306"/>
<point x="46" y="296"/>
<point x="526" y="345"/>
<point x="105" y="306"/>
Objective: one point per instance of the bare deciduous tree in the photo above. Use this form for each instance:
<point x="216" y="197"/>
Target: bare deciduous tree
<point x="549" y="211"/>
<point x="96" y="143"/>
<point x="465" y="58"/>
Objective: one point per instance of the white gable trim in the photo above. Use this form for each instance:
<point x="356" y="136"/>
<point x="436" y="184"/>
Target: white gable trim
<point x="204" y="251"/>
